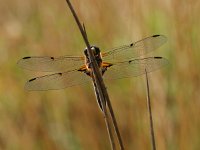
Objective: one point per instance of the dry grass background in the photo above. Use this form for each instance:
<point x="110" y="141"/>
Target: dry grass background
<point x="70" y="119"/>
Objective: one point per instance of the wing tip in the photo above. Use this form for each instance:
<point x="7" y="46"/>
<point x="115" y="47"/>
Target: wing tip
<point x="27" y="86"/>
<point x="165" y="60"/>
<point x="21" y="61"/>
<point x="158" y="57"/>
<point x="31" y="79"/>
<point x="27" y="57"/>
<point x="156" y="35"/>
<point x="160" y="35"/>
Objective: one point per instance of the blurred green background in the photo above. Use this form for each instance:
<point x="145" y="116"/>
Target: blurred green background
<point x="69" y="119"/>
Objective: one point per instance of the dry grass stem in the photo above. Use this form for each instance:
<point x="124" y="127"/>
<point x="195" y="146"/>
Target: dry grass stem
<point x="99" y="82"/>
<point x="150" y="113"/>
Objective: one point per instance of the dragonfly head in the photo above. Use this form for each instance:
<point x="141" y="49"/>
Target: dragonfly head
<point x="95" y="50"/>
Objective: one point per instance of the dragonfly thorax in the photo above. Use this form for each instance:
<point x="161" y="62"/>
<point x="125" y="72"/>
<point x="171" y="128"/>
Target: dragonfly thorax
<point x="97" y="55"/>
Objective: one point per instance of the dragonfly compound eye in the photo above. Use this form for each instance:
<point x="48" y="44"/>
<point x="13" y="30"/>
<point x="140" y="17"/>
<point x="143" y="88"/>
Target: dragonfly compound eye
<point x="85" y="52"/>
<point x="95" y="49"/>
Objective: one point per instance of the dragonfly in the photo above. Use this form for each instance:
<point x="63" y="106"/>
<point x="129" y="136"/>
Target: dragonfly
<point x="119" y="62"/>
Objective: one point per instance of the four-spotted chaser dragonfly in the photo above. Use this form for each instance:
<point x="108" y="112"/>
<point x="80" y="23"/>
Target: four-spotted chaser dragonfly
<point x="120" y="62"/>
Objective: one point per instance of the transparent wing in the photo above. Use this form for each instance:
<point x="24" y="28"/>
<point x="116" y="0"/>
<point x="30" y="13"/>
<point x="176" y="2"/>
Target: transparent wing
<point x="57" y="81"/>
<point x="134" y="50"/>
<point x="51" y="64"/>
<point x="134" y="67"/>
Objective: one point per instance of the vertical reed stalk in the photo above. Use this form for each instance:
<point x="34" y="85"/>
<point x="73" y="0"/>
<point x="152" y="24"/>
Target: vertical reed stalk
<point x="115" y="125"/>
<point x="106" y="117"/>
<point x="150" y="113"/>
<point x="99" y="82"/>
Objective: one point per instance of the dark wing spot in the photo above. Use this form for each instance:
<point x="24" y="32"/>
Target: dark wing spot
<point x="158" y="57"/>
<point x="26" y="57"/>
<point x="131" y="44"/>
<point x="52" y="58"/>
<point x="60" y="74"/>
<point x="32" y="80"/>
<point x="129" y="61"/>
<point x="155" y="35"/>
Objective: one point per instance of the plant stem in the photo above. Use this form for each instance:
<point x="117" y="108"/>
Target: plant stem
<point x="115" y="125"/>
<point x="150" y="114"/>
<point x="98" y="81"/>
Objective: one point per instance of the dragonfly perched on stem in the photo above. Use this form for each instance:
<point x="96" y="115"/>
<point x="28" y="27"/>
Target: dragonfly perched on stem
<point x="120" y="62"/>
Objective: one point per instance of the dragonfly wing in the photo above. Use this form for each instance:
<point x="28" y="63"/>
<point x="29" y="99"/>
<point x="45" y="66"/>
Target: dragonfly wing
<point x="57" y="81"/>
<point x="134" y="50"/>
<point x="134" y="67"/>
<point x="51" y="64"/>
